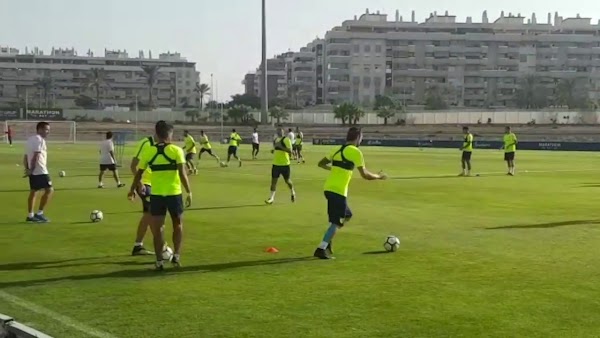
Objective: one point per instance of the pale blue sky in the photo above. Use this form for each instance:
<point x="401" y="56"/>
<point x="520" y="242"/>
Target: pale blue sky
<point x="223" y="36"/>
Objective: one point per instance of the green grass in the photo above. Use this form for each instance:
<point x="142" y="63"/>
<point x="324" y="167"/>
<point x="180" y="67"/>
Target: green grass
<point x="491" y="256"/>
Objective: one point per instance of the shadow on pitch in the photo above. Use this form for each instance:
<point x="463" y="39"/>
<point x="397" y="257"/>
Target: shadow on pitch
<point x="143" y="273"/>
<point x="25" y="190"/>
<point x="380" y="252"/>
<point x="65" y="263"/>
<point x="590" y="185"/>
<point x="191" y="209"/>
<point x="546" y="225"/>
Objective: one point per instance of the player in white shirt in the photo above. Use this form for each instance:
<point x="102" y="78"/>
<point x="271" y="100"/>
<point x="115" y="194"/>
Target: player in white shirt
<point x="107" y="160"/>
<point x="292" y="138"/>
<point x="255" y="144"/>
<point x="36" y="169"/>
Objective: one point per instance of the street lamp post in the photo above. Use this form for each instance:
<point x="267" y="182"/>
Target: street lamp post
<point x="264" y="111"/>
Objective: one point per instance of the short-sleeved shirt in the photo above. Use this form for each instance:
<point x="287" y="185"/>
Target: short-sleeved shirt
<point x="299" y="138"/>
<point x="510" y="143"/>
<point x="234" y="139"/>
<point x="164" y="182"/>
<point x="190" y="144"/>
<point x="280" y="157"/>
<point x="204" y="142"/>
<point x="106" y="147"/>
<point x="291" y="136"/>
<point x="339" y="178"/>
<point x="37" y="144"/>
<point x="255" y="137"/>
<point x="468" y="143"/>
<point x="142" y="145"/>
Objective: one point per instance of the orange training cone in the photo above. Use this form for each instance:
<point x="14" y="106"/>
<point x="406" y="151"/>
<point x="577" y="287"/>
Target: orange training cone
<point x="272" y="250"/>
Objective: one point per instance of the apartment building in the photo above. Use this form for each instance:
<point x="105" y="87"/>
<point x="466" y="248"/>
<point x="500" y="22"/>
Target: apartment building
<point x="22" y="75"/>
<point x="472" y="64"/>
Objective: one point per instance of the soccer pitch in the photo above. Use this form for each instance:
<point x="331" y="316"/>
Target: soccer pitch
<point x="492" y="256"/>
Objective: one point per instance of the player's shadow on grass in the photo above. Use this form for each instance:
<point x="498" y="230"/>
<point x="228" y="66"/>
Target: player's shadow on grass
<point x="590" y="185"/>
<point x="190" y="209"/>
<point x="56" y="189"/>
<point x="145" y="273"/>
<point x="380" y="252"/>
<point x="546" y="225"/>
<point x="65" y="263"/>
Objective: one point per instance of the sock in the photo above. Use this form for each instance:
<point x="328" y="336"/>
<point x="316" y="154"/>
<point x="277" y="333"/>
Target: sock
<point x="272" y="195"/>
<point x="100" y="183"/>
<point x="323" y="245"/>
<point x="40" y="212"/>
<point x="159" y="262"/>
<point x="293" y="192"/>
<point x="30" y="214"/>
<point x="139" y="243"/>
<point x="328" y="235"/>
<point x="176" y="256"/>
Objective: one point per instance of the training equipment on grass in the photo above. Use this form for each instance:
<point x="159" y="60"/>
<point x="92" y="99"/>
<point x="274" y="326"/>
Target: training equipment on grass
<point x="120" y="141"/>
<point x="167" y="253"/>
<point x="96" y="216"/>
<point x="62" y="174"/>
<point x="61" y="131"/>
<point x="391" y="244"/>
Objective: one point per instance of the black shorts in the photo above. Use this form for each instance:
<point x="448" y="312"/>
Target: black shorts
<point x="39" y="182"/>
<point x="298" y="147"/>
<point x="159" y="205"/>
<point x="255" y="146"/>
<point x="337" y="208"/>
<point x="189" y="157"/>
<point x="145" y="197"/>
<point x="232" y="150"/>
<point x="466" y="155"/>
<point x="509" y="156"/>
<point x="105" y="167"/>
<point x="281" y="170"/>
<point x="204" y="150"/>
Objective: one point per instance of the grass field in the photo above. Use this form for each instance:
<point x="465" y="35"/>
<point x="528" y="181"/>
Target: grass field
<point x="491" y="256"/>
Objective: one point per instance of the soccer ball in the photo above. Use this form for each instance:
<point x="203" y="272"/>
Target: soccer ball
<point x="62" y="174"/>
<point x="96" y="216"/>
<point x="128" y="121"/>
<point x="167" y="254"/>
<point x="391" y="244"/>
<point x="222" y="164"/>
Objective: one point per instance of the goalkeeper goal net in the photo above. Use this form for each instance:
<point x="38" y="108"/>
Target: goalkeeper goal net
<point x="60" y="131"/>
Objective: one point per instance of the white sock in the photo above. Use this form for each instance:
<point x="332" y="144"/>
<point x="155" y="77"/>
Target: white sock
<point x="30" y="214"/>
<point x="293" y="192"/>
<point x="40" y="212"/>
<point x="272" y="195"/>
<point x="323" y="245"/>
<point x="100" y="184"/>
<point x="139" y="243"/>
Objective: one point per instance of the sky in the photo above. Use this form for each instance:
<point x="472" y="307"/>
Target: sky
<point x="223" y="37"/>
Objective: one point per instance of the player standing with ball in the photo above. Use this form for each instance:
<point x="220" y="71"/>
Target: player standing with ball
<point x="341" y="164"/>
<point x="36" y="170"/>
<point x="167" y="162"/>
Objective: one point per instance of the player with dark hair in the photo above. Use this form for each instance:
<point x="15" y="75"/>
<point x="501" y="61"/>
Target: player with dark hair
<point x="36" y="169"/>
<point x="107" y="161"/>
<point x="510" y="148"/>
<point x="234" y="143"/>
<point x="167" y="162"/>
<point x="205" y="147"/>
<point x="341" y="163"/>
<point x="467" y="151"/>
<point x="282" y="149"/>
<point x="298" y="145"/>
<point x="255" y="144"/>
<point x="190" y="152"/>
<point x="9" y="135"/>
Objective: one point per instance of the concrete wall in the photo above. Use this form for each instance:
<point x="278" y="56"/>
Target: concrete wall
<point x="327" y="117"/>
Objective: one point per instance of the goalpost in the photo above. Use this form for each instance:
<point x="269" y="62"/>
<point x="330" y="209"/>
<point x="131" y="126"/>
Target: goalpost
<point x="60" y="131"/>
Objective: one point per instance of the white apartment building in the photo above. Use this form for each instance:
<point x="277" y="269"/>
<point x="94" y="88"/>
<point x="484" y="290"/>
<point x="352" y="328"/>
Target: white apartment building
<point x="21" y="73"/>
<point x="477" y="64"/>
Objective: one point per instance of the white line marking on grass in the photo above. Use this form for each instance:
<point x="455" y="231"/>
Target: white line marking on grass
<point x="66" y="321"/>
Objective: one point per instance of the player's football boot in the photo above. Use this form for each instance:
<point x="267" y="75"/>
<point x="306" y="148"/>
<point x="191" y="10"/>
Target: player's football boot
<point x="322" y="254"/>
<point x="269" y="201"/>
<point x="293" y="198"/>
<point x="139" y="250"/>
<point x="330" y="248"/>
<point x="175" y="261"/>
<point x="42" y="218"/>
<point x="32" y="220"/>
<point x="159" y="266"/>
<point x="121" y="185"/>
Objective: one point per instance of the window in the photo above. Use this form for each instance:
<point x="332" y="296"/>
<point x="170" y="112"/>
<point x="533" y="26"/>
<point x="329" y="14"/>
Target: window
<point x="378" y="49"/>
<point x="367" y="48"/>
<point x="523" y="58"/>
<point x="179" y="91"/>
<point x="356" y="49"/>
<point x="356" y="80"/>
<point x="187" y="83"/>
<point x="367" y="82"/>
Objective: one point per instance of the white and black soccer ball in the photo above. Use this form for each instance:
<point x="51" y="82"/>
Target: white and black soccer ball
<point x="96" y="216"/>
<point x="62" y="173"/>
<point x="167" y="253"/>
<point x="391" y="244"/>
<point x="223" y="164"/>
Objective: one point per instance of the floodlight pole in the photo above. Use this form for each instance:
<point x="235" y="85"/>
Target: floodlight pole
<point x="264" y="107"/>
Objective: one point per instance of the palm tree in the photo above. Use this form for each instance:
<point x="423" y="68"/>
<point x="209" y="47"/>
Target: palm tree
<point x="571" y="93"/>
<point x="385" y="107"/>
<point x="278" y="113"/>
<point x="151" y="75"/>
<point x="45" y="84"/>
<point x="203" y="90"/>
<point x="348" y="112"/>
<point x="295" y="90"/>
<point x="386" y="112"/>
<point x="238" y="112"/>
<point x="96" y="79"/>
<point x="531" y="93"/>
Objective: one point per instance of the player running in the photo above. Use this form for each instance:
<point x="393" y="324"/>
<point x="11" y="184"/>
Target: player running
<point x="107" y="161"/>
<point x="35" y="164"/>
<point x="467" y="150"/>
<point x="282" y="148"/>
<point x="205" y="146"/>
<point x="341" y="162"/>
<point x="9" y="135"/>
<point x="255" y="144"/>
<point x="167" y="162"/>
<point x="510" y="148"/>
<point x="234" y="143"/>
<point x="190" y="151"/>
<point x="292" y="138"/>
<point x="298" y="145"/>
